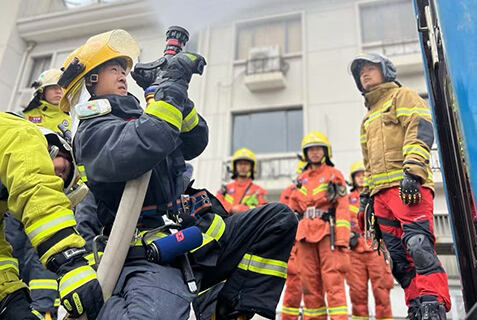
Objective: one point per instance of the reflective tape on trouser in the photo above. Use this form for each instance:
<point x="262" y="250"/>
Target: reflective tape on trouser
<point x="314" y="312"/>
<point x="37" y="314"/>
<point x="76" y="278"/>
<point x="383" y="318"/>
<point x="43" y="284"/>
<point x="353" y="317"/>
<point x="261" y="265"/>
<point x="291" y="311"/>
<point x="9" y="263"/>
<point x="48" y="226"/>
<point x="214" y="232"/>
<point x="334" y="311"/>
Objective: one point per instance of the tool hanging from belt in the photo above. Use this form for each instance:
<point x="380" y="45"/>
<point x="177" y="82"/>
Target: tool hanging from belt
<point x="373" y="232"/>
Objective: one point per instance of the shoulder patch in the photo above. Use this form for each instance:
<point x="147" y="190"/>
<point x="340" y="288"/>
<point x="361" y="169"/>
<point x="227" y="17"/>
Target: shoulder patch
<point x="35" y="119"/>
<point x="93" y="109"/>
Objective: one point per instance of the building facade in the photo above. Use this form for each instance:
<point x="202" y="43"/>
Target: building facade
<point x="276" y="70"/>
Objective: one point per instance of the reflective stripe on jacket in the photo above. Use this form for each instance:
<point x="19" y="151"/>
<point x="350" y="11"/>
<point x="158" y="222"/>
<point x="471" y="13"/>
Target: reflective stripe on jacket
<point x="396" y="134"/>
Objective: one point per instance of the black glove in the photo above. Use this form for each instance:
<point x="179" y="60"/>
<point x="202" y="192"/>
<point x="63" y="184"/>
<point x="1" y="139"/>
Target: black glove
<point x="353" y="239"/>
<point x="409" y="189"/>
<point x="79" y="288"/>
<point x="17" y="306"/>
<point x="178" y="67"/>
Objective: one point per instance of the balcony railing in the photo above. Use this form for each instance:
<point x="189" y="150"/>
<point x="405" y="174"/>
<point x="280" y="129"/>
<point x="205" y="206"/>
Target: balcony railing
<point x="393" y="48"/>
<point x="271" y="167"/>
<point x="266" y="65"/>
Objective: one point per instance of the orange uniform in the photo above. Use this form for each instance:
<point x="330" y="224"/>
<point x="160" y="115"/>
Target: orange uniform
<point x="243" y="195"/>
<point x="366" y="264"/>
<point x="293" y="291"/>
<point x="321" y="269"/>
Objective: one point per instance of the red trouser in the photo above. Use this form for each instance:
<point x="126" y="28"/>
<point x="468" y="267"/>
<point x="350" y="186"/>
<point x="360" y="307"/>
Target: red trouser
<point x="293" y="292"/>
<point x="411" y="245"/>
<point x="364" y="266"/>
<point x="323" y="271"/>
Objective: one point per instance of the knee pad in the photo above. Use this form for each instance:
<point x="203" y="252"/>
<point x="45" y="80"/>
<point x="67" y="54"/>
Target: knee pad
<point x="422" y="253"/>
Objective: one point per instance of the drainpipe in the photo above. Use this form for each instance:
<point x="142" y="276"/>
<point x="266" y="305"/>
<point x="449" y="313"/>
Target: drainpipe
<point x="29" y="48"/>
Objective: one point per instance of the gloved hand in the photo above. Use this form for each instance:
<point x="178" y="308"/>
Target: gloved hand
<point x="181" y="67"/>
<point x="353" y="239"/>
<point x="17" y="306"/>
<point x="78" y="286"/>
<point x="409" y="189"/>
<point x="364" y="199"/>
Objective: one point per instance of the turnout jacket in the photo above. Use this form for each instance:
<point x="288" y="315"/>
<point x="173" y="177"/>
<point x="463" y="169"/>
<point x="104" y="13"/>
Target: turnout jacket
<point x="33" y="194"/>
<point x="396" y="134"/>
<point x="48" y="115"/>
<point x="126" y="143"/>
<point x="312" y="192"/>
<point x="247" y="195"/>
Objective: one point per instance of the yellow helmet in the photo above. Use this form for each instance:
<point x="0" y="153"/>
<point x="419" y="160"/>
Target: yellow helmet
<point x="315" y="138"/>
<point x="46" y="78"/>
<point x="96" y="51"/>
<point x="244" y="154"/>
<point x="355" y="167"/>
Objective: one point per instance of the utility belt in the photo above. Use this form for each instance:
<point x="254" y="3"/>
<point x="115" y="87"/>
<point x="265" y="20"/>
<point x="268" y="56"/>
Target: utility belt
<point x="313" y="213"/>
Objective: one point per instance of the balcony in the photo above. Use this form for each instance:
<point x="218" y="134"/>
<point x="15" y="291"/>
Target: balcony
<point x="267" y="73"/>
<point x="31" y="8"/>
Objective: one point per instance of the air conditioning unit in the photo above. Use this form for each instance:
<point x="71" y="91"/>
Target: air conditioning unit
<point x="265" y="69"/>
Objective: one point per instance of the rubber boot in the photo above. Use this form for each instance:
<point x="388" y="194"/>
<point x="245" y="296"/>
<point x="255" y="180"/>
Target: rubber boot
<point x="431" y="309"/>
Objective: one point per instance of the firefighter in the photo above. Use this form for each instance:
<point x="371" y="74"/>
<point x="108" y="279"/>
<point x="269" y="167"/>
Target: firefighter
<point x="117" y="141"/>
<point x="242" y="194"/>
<point x="41" y="282"/>
<point x="323" y="231"/>
<point x="365" y="263"/>
<point x="293" y="292"/>
<point x="396" y="139"/>
<point x="43" y="109"/>
<point x="32" y="193"/>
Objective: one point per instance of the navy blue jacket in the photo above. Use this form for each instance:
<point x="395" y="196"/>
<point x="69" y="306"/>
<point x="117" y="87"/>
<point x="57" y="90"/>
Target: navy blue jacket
<point x="125" y="144"/>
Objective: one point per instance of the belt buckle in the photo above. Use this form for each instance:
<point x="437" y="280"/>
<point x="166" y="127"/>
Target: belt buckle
<point x="310" y="212"/>
<point x="185" y="200"/>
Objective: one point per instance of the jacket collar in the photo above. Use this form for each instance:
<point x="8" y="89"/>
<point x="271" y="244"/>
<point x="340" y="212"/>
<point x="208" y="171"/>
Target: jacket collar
<point x="46" y="106"/>
<point x="377" y="93"/>
<point x="123" y="106"/>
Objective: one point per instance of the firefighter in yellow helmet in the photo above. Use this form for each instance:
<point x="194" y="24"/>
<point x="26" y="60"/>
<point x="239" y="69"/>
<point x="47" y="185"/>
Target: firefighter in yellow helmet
<point x="365" y="263"/>
<point x="323" y="231"/>
<point x="242" y="194"/>
<point x="43" y="110"/>
<point x="117" y="141"/>
<point x="33" y="194"/>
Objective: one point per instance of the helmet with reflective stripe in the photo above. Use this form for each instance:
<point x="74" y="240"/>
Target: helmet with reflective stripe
<point x="115" y="44"/>
<point x="315" y="138"/>
<point x="47" y="78"/>
<point x="243" y="154"/>
<point x="355" y="167"/>
<point x="55" y="139"/>
<point x="387" y="67"/>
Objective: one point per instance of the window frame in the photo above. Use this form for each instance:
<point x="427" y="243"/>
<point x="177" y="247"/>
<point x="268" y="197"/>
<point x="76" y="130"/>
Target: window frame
<point x="263" y="20"/>
<point x="283" y="108"/>
<point x="369" y="46"/>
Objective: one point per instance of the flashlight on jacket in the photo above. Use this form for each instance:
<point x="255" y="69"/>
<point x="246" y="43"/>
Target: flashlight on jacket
<point x="166" y="249"/>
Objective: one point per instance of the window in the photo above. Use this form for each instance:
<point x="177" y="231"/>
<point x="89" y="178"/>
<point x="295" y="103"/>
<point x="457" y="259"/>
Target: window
<point x="286" y="33"/>
<point x="389" y="27"/>
<point x="268" y="131"/>
<point x="39" y="65"/>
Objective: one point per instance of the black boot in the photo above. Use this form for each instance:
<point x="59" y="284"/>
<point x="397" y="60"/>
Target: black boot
<point x="225" y="311"/>
<point x="431" y="310"/>
<point x="413" y="308"/>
